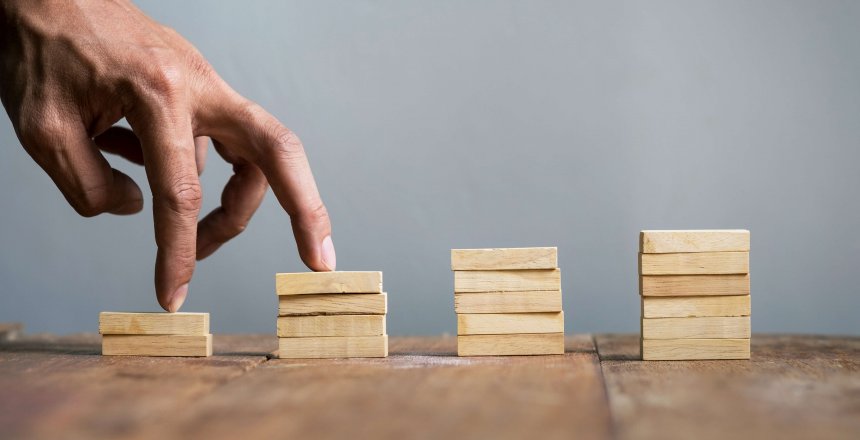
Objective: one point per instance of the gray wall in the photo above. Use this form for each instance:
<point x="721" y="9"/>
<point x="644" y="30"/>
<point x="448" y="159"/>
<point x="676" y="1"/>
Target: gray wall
<point x="433" y="125"/>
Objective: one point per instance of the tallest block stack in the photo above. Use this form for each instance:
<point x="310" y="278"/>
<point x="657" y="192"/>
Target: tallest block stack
<point x="695" y="292"/>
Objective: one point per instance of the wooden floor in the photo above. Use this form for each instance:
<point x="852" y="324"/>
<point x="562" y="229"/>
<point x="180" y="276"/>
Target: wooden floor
<point x="794" y="387"/>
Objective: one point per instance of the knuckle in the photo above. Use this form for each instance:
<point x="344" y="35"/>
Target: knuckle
<point x="163" y="75"/>
<point x="286" y="144"/>
<point x="313" y="215"/>
<point x="91" y="200"/>
<point x="184" y="197"/>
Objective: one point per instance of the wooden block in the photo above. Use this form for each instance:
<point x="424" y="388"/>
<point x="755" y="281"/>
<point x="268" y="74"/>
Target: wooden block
<point x="328" y="282"/>
<point x="506" y="280"/>
<point x="510" y="345"/>
<point x="696" y="328"/>
<point x="157" y="345"/>
<point x="508" y="302"/>
<point x="702" y="263"/>
<point x="331" y="325"/>
<point x="706" y="240"/>
<point x="510" y="323"/>
<point x="692" y="306"/>
<point x="694" y="285"/>
<point x="123" y="323"/>
<point x="333" y="304"/>
<point x="333" y="347"/>
<point x="504" y="258"/>
<point x="694" y="349"/>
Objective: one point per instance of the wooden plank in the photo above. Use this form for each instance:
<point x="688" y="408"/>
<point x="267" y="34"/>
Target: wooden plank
<point x="508" y="302"/>
<point x="331" y="325"/>
<point x="328" y="282"/>
<point x="333" y="304"/>
<point x="10" y="331"/>
<point x="506" y="280"/>
<point x="691" y="306"/>
<point x="703" y="263"/>
<point x="736" y="327"/>
<point x="705" y="240"/>
<point x="694" y="349"/>
<point x="179" y="323"/>
<point x="510" y="323"/>
<point x="504" y="258"/>
<point x="510" y="345"/>
<point x="157" y="345"/>
<point x="333" y="347"/>
<point x="694" y="285"/>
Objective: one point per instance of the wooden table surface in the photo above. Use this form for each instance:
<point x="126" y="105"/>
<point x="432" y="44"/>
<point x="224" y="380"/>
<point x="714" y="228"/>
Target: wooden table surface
<point x="793" y="387"/>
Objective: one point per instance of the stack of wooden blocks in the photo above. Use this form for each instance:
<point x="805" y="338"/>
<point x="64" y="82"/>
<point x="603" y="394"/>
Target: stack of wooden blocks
<point x="331" y="315"/>
<point x="508" y="301"/>
<point x="155" y="334"/>
<point x="695" y="292"/>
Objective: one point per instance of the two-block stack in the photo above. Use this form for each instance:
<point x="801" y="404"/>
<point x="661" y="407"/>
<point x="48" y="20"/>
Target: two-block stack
<point x="695" y="292"/>
<point x="155" y="334"/>
<point x="331" y="315"/>
<point x="508" y="301"/>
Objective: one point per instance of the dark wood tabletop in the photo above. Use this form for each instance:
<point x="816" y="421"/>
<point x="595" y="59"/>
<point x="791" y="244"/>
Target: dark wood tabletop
<point x="793" y="387"/>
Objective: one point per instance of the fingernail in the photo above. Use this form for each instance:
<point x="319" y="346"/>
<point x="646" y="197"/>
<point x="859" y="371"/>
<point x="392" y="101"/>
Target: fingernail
<point x="329" y="259"/>
<point x="178" y="298"/>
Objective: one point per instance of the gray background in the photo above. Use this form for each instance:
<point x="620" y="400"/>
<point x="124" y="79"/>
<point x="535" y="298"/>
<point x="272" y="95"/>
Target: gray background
<point x="434" y="125"/>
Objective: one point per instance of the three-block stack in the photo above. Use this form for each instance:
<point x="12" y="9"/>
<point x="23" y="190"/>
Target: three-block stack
<point x="508" y="301"/>
<point x="331" y="315"/>
<point x="695" y="292"/>
<point x="155" y="334"/>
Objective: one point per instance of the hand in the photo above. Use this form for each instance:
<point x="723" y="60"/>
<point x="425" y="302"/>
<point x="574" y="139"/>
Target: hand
<point x="72" y="69"/>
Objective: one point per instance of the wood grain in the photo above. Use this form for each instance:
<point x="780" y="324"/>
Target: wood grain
<point x="180" y="323"/>
<point x="694" y="285"/>
<point x="331" y="325"/>
<point x="508" y="302"/>
<point x="699" y="327"/>
<point x="691" y="306"/>
<point x="333" y="304"/>
<point x="509" y="323"/>
<point x="694" y="349"/>
<point x="703" y="263"/>
<point x="157" y="345"/>
<point x="705" y="240"/>
<point x="510" y="345"/>
<point x="504" y="258"/>
<point x="304" y="283"/>
<point x="333" y="347"/>
<point x="506" y="280"/>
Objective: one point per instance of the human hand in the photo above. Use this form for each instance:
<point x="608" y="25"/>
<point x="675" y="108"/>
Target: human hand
<point x="72" y="69"/>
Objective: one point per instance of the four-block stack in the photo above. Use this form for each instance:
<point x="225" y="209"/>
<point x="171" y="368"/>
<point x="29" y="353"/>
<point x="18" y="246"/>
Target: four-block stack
<point x="155" y="334"/>
<point x="695" y="292"/>
<point x="508" y="301"/>
<point x="331" y="315"/>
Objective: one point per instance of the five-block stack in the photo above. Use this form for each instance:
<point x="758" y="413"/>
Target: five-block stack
<point x="695" y="292"/>
<point x="331" y="315"/>
<point x="508" y="301"/>
<point x="155" y="334"/>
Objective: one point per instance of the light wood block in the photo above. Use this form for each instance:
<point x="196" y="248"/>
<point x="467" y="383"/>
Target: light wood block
<point x="304" y="283"/>
<point x="702" y="263"/>
<point x="705" y="240"/>
<point x="504" y="258"/>
<point x="157" y="345"/>
<point x="696" y="328"/>
<point x="693" y="306"/>
<point x="510" y="345"/>
<point x="510" y="323"/>
<point x="694" y="285"/>
<point x="506" y="280"/>
<point x="125" y="323"/>
<point x="333" y="347"/>
<point x="694" y="349"/>
<point x="331" y="325"/>
<point x="333" y="304"/>
<point x="508" y="302"/>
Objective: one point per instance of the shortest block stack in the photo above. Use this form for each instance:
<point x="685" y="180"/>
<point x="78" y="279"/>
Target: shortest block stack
<point x="695" y="292"/>
<point x="331" y="315"/>
<point x="508" y="301"/>
<point x="155" y="334"/>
